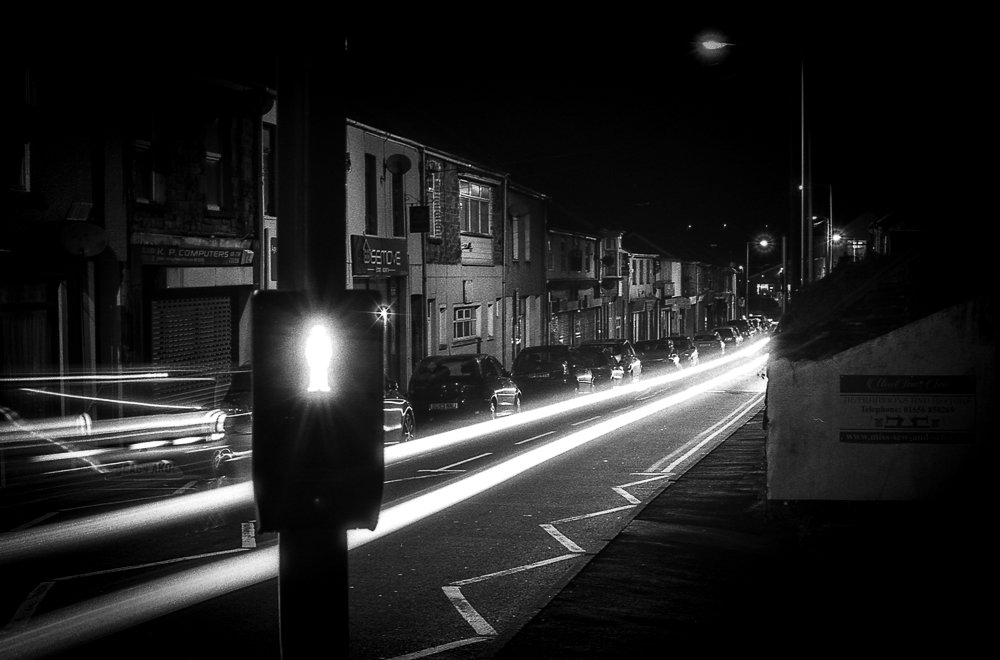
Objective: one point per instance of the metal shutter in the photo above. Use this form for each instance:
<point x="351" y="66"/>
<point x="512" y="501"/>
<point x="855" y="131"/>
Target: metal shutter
<point x="195" y="334"/>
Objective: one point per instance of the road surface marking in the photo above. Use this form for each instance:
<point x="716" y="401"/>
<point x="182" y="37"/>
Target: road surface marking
<point x="585" y="421"/>
<point x="434" y="650"/>
<point x="32" y="523"/>
<point x="185" y="488"/>
<point x="723" y="426"/>
<point x="629" y="497"/>
<point x="521" y="442"/>
<point x="594" y="514"/>
<point x="559" y="536"/>
<point x="165" y="562"/>
<point x="469" y="613"/>
<point x="28" y="607"/>
<point x="516" y="569"/>
<point x="452" y="466"/>
<point x="421" y="476"/>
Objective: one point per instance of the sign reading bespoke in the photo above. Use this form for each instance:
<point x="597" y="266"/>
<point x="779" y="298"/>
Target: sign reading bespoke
<point x="910" y="409"/>
<point x="378" y="257"/>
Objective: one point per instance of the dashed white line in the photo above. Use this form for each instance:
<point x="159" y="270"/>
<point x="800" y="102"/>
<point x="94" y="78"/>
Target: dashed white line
<point x="452" y="466"/>
<point x="542" y="435"/>
<point x="585" y="421"/>
<point x="437" y="473"/>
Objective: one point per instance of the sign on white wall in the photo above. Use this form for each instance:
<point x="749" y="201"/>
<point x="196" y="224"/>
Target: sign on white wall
<point x="907" y="409"/>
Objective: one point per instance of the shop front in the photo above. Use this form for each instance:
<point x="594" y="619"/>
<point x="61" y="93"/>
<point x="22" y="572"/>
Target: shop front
<point x="382" y="265"/>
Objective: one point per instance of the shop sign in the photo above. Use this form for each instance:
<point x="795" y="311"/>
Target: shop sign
<point x="378" y="257"/>
<point x="178" y="254"/>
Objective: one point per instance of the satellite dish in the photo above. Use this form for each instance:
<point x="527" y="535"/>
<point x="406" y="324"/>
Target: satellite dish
<point x="83" y="239"/>
<point x="398" y="164"/>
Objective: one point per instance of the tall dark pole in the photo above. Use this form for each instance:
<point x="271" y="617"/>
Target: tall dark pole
<point x="746" y="285"/>
<point x="312" y="571"/>
<point x="804" y="228"/>
<point x="784" y="277"/>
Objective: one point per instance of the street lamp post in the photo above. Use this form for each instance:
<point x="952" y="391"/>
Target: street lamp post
<point x="763" y="242"/>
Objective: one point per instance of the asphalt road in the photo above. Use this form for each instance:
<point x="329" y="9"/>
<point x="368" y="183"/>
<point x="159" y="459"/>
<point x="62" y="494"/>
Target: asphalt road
<point x="475" y="533"/>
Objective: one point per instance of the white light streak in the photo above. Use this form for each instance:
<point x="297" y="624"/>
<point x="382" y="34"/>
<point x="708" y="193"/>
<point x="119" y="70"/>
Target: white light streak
<point x="88" y="620"/>
<point x="406" y="513"/>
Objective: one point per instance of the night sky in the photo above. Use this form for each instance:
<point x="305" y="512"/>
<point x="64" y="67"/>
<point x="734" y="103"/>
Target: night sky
<point x="621" y="123"/>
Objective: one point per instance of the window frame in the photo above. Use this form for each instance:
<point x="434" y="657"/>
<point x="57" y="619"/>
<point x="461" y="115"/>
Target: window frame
<point x="465" y="322"/>
<point x="482" y="201"/>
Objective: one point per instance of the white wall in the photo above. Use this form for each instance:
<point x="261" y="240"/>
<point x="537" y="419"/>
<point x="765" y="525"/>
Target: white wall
<point x="806" y="456"/>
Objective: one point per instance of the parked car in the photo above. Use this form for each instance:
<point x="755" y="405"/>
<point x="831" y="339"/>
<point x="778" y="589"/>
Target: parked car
<point x="542" y="371"/>
<point x="598" y="369"/>
<point x="686" y="349"/>
<point x="658" y="354"/>
<point x="742" y="326"/>
<point x="730" y="335"/>
<point x="623" y="351"/>
<point x="474" y="385"/>
<point x="709" y="344"/>
<point x="400" y="423"/>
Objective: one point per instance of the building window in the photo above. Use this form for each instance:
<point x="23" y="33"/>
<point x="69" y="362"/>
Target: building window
<point x="465" y="325"/>
<point x="526" y="232"/>
<point x="371" y="195"/>
<point x="515" y="239"/>
<point x="398" y="205"/>
<point x="474" y="206"/>
<point x="268" y="170"/>
<point x="148" y="181"/>
<point x="441" y="327"/>
<point x="215" y="166"/>
<point x="490" y="319"/>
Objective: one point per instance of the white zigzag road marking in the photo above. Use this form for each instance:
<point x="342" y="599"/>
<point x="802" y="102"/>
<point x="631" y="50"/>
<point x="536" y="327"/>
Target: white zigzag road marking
<point x="469" y="613"/>
<point x="562" y="538"/>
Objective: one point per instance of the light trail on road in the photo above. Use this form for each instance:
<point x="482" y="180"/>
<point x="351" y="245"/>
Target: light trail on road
<point x="90" y="620"/>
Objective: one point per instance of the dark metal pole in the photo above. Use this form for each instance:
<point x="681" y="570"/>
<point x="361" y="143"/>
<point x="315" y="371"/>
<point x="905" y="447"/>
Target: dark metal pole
<point x="312" y="572"/>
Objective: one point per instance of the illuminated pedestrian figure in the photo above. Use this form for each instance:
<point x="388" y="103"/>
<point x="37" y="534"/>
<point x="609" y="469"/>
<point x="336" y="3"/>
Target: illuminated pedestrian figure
<point x="319" y="351"/>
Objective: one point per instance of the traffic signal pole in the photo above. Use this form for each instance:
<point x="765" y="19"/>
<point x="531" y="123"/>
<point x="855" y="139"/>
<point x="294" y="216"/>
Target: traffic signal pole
<point x="312" y="570"/>
<point x="297" y="458"/>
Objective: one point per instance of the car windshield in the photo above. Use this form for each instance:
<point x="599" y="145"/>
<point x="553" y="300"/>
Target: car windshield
<point x="681" y="344"/>
<point x="460" y="368"/>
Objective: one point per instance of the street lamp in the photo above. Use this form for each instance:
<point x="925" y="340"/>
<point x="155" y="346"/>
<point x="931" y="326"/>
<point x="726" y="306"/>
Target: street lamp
<point x="835" y="238"/>
<point x="762" y="243"/>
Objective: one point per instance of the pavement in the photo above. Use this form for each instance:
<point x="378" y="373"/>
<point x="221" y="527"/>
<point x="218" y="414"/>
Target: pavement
<point x="712" y="565"/>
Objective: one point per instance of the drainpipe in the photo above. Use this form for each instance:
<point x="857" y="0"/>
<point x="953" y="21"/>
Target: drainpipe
<point x="425" y="350"/>
<point x="503" y="280"/>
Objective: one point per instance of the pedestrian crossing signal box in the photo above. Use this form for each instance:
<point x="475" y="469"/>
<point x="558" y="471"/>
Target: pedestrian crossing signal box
<point x="317" y="384"/>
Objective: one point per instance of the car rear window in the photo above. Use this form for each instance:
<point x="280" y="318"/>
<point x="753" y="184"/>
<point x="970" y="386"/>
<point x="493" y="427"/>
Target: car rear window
<point x="534" y="359"/>
<point x="445" y="367"/>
